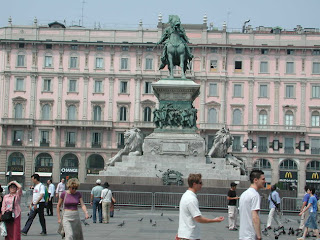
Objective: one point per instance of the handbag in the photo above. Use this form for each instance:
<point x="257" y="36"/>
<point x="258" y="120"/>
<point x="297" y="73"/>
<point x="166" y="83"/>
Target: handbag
<point x="61" y="229"/>
<point x="3" y="229"/>
<point x="8" y="216"/>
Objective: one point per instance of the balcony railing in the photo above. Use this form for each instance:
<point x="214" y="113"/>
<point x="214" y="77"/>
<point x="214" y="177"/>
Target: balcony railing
<point x="236" y="148"/>
<point x="44" y="144"/>
<point x="70" y="144"/>
<point x="15" y="168"/>
<point x="43" y="169"/>
<point x="17" y="121"/>
<point x="315" y="150"/>
<point x="214" y="126"/>
<point x="96" y="145"/>
<point x="17" y="143"/>
<point x="289" y="150"/>
<point x="144" y="124"/>
<point x="262" y="149"/>
<point x="277" y="128"/>
<point x="83" y="123"/>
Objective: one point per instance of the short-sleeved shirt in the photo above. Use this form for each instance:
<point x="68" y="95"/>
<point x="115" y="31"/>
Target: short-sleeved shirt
<point x="275" y="197"/>
<point x="306" y="198"/>
<point x="232" y="194"/>
<point x="313" y="201"/>
<point x="106" y="195"/>
<point x="37" y="190"/>
<point x="188" y="210"/>
<point x="249" y="201"/>
<point x="96" y="191"/>
<point x="71" y="201"/>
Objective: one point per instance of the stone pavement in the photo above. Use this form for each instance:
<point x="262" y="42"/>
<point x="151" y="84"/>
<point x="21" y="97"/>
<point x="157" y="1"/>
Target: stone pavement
<point x="164" y="229"/>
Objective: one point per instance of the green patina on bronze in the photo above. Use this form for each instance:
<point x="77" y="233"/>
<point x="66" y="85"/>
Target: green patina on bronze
<point x="172" y="177"/>
<point x="176" y="51"/>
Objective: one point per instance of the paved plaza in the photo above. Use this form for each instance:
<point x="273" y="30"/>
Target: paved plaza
<point x="161" y="227"/>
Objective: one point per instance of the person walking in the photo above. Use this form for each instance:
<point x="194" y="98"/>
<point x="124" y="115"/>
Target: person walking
<point x="312" y="219"/>
<point x="274" y="206"/>
<point x="11" y="202"/>
<point x="37" y="206"/>
<point x="232" y="207"/>
<point x="95" y="201"/>
<point x="51" y="191"/>
<point x="189" y="212"/>
<point x="249" y="207"/>
<point x="71" y="218"/>
<point x="305" y="214"/>
<point x="61" y="187"/>
<point x="106" y="199"/>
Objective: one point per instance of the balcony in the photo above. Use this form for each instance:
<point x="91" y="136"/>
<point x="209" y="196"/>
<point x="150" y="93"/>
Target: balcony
<point x="17" y="143"/>
<point x="44" y="143"/>
<point x="15" y="168"/>
<point x="289" y="150"/>
<point x="43" y="169"/>
<point x="236" y="148"/>
<point x="277" y="128"/>
<point x="96" y="145"/>
<point x="144" y="125"/>
<point x="83" y="123"/>
<point x="263" y="149"/>
<point x="211" y="126"/>
<point x="70" y="144"/>
<point x="17" y="121"/>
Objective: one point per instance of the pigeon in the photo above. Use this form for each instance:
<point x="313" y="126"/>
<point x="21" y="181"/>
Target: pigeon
<point x="171" y="220"/>
<point x="133" y="183"/>
<point x="150" y="220"/>
<point x="161" y="214"/>
<point x="155" y="224"/>
<point x="140" y="220"/>
<point x="157" y="176"/>
<point x="123" y="182"/>
<point x="84" y="222"/>
<point x="160" y="170"/>
<point x="121" y="224"/>
<point x="155" y="166"/>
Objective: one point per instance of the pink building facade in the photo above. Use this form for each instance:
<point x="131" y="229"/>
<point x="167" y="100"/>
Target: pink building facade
<point x="68" y="94"/>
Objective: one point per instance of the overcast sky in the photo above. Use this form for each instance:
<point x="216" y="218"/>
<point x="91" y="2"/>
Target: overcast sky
<point x="127" y="13"/>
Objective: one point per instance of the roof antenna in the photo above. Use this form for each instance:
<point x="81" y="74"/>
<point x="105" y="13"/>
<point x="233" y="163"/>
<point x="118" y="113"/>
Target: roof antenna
<point x="83" y="2"/>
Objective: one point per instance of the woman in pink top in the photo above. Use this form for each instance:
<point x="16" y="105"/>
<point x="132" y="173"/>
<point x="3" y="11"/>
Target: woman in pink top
<point x="71" y="219"/>
<point x="13" y="228"/>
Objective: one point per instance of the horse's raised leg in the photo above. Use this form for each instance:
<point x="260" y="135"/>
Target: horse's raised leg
<point x="182" y="66"/>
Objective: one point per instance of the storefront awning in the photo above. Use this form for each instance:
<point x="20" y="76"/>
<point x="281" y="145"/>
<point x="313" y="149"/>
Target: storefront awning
<point x="15" y="173"/>
<point x="44" y="174"/>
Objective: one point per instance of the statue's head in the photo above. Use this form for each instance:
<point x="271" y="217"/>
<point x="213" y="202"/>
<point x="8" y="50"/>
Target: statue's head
<point x="174" y="21"/>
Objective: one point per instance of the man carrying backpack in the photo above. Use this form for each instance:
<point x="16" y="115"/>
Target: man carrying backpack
<point x="37" y="206"/>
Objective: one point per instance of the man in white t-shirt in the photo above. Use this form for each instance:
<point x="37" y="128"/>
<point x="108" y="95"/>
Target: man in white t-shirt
<point x="37" y="206"/>
<point x="189" y="212"/>
<point x="249" y="207"/>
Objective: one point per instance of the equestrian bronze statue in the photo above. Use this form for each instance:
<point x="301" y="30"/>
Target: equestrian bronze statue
<point x="176" y="51"/>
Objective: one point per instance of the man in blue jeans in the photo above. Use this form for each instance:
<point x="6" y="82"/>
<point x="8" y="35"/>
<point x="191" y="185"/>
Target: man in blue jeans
<point x="95" y="201"/>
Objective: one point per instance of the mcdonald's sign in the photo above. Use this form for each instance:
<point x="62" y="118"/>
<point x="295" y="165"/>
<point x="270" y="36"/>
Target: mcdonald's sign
<point x="315" y="175"/>
<point x="312" y="177"/>
<point x="288" y="175"/>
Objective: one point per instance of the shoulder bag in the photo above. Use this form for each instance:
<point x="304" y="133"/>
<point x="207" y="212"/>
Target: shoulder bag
<point x="8" y="216"/>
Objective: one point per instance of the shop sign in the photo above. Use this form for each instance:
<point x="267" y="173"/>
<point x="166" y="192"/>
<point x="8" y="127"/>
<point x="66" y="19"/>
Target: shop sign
<point x="15" y="168"/>
<point x="312" y="177"/>
<point x="288" y="176"/>
<point x="69" y="170"/>
<point x="43" y="169"/>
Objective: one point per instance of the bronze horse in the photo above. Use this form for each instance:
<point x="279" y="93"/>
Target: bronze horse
<point x="176" y="51"/>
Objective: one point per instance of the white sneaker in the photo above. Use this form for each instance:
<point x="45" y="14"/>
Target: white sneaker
<point x="300" y="238"/>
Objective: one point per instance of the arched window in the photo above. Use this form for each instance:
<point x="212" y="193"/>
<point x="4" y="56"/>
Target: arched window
<point x="288" y="164"/>
<point x="212" y="118"/>
<point x="72" y="112"/>
<point x="95" y="164"/>
<point x="45" y="112"/>
<point x="262" y="164"/>
<point x="315" y="119"/>
<point x="237" y="117"/>
<point x="289" y="118"/>
<point x="123" y="114"/>
<point x="263" y="116"/>
<point x="18" y="110"/>
<point x="147" y="114"/>
<point x="44" y="160"/>
<point x="97" y="113"/>
<point x="313" y="166"/>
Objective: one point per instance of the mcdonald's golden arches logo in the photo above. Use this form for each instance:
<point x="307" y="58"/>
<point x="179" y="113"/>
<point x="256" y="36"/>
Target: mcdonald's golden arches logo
<point x="289" y="175"/>
<point x="315" y="175"/>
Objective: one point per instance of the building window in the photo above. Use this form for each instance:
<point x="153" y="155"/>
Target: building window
<point x="262" y="164"/>
<point x="17" y="137"/>
<point x="263" y="117"/>
<point x="123" y="114"/>
<point x="290" y="67"/>
<point x="212" y="116"/>
<point x="236" y="144"/>
<point x="237" y="90"/>
<point x="263" y="90"/>
<point x="46" y="109"/>
<point x="315" y="91"/>
<point x="48" y="46"/>
<point x="149" y="49"/>
<point x="120" y="140"/>
<point x="238" y="50"/>
<point x="47" y="85"/>
<point x="98" y="87"/>
<point x="289" y="145"/>
<point x="288" y="164"/>
<point x="96" y="139"/>
<point x="20" y="62"/>
<point x="213" y="65"/>
<point x="316" y="68"/>
<point x="214" y="50"/>
<point x="44" y="141"/>
<point x="149" y="63"/>
<point x="290" y="51"/>
<point x="124" y="63"/>
<point x="264" y="51"/>
<point x="99" y="48"/>
<point x="48" y="61"/>
<point x="315" y="146"/>
<point x="316" y="52"/>
<point x="289" y="91"/>
<point x="71" y="139"/>
<point x="20" y="84"/>
<point x="147" y="87"/>
<point x="147" y="114"/>
<point x="289" y="119"/>
<point x="99" y="62"/>
<point x="263" y="144"/>
<point x="238" y="66"/>
<point x="18" y="110"/>
<point x="72" y="112"/>
<point x="72" y="85"/>
<point x="125" y="48"/>
<point x="73" y="62"/>
<point x="74" y="47"/>
<point x="21" y="45"/>
<point x="315" y="119"/>
<point x="237" y="117"/>
<point x="264" y="67"/>
<point x="213" y="89"/>
<point x="123" y="87"/>
<point x="97" y="113"/>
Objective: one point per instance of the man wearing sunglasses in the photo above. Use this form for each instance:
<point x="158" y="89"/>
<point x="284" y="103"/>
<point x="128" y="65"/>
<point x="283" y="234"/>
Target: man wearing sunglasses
<point x="189" y="212"/>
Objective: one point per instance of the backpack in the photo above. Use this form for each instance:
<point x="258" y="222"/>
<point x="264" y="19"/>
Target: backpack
<point x="46" y="194"/>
